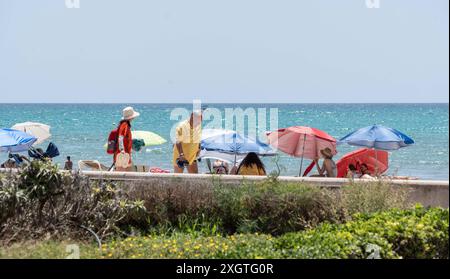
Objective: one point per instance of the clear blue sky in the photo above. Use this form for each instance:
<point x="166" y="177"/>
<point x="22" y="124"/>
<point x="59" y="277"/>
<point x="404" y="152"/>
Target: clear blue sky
<point x="224" y="51"/>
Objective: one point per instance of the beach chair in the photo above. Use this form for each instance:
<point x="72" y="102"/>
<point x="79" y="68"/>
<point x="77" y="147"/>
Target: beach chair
<point x="92" y="165"/>
<point x="51" y="152"/>
<point x="140" y="168"/>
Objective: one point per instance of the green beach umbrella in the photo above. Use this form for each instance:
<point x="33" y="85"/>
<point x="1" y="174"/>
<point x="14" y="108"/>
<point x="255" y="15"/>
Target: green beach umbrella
<point x="149" y="138"/>
<point x="145" y="138"/>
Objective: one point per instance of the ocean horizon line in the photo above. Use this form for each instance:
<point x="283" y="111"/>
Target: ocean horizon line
<point x="221" y="103"/>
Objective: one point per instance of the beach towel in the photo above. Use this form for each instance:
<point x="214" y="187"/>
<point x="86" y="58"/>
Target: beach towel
<point x="158" y="170"/>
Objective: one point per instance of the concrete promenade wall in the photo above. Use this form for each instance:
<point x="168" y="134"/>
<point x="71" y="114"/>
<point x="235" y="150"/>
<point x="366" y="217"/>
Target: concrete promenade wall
<point x="426" y="192"/>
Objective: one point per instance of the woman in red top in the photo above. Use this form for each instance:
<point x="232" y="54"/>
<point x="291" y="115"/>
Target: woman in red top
<point x="125" y="140"/>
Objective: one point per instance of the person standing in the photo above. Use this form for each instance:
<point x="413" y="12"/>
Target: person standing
<point x="68" y="165"/>
<point x="187" y="145"/>
<point x="122" y="155"/>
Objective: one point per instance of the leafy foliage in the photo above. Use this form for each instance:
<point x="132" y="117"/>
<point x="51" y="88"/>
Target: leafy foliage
<point x="418" y="233"/>
<point x="415" y="233"/>
<point x="269" y="206"/>
<point x="40" y="201"/>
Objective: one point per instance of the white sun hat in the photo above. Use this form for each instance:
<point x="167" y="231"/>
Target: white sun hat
<point x="129" y="113"/>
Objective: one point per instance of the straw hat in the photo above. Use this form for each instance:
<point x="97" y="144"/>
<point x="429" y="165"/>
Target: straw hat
<point x="129" y="113"/>
<point x="326" y="152"/>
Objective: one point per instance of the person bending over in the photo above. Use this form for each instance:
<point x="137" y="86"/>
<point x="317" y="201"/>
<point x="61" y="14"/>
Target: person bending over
<point x="187" y="146"/>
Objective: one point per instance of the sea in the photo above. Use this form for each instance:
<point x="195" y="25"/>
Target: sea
<point x="81" y="130"/>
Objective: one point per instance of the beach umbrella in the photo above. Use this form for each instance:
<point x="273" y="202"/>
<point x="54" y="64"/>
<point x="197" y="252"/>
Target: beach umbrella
<point x="216" y="155"/>
<point x="376" y="160"/>
<point x="235" y="144"/>
<point x="301" y="141"/>
<point x="149" y="138"/>
<point x="210" y="156"/>
<point x="144" y="138"/>
<point x="40" y="131"/>
<point x="15" y="141"/>
<point x="207" y="133"/>
<point x="377" y="137"/>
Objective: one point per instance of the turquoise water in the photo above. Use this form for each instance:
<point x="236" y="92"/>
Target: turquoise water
<point x="80" y="130"/>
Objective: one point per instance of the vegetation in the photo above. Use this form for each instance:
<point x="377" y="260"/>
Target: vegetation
<point x="414" y="233"/>
<point x="42" y="210"/>
<point x="39" y="201"/>
<point x="270" y="207"/>
<point x="417" y="233"/>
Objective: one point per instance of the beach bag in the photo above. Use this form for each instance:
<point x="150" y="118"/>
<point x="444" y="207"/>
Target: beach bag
<point x="123" y="160"/>
<point x="112" y="141"/>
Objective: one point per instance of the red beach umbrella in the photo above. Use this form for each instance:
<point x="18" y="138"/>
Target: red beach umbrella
<point x="301" y="141"/>
<point x="376" y="160"/>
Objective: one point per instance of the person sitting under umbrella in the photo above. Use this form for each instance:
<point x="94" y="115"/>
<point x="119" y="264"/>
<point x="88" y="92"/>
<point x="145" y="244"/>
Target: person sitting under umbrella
<point x="328" y="168"/>
<point x="220" y="167"/>
<point x="250" y="165"/>
<point x="365" y="173"/>
<point x="9" y="164"/>
<point x="351" y="171"/>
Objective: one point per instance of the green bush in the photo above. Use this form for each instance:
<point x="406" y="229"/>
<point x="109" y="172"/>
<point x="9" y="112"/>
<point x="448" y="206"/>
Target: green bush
<point x="419" y="233"/>
<point x="270" y="206"/>
<point x="416" y="233"/>
<point x="371" y="197"/>
<point x="40" y="201"/>
<point x="273" y="207"/>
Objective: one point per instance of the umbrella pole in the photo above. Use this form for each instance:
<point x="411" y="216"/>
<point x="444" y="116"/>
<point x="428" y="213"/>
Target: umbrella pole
<point x="376" y="161"/>
<point x="301" y="166"/>
<point x="303" y="151"/>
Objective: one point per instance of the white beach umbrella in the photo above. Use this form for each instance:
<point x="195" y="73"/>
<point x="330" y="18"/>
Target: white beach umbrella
<point x="38" y="130"/>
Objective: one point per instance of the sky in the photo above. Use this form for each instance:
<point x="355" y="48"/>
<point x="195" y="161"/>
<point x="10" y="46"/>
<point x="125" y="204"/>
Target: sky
<point x="224" y="51"/>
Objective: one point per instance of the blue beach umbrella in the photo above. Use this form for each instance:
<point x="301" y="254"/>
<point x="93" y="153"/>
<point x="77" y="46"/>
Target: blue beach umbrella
<point x="377" y="137"/>
<point x="15" y="141"/>
<point x="235" y="143"/>
<point x="231" y="142"/>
